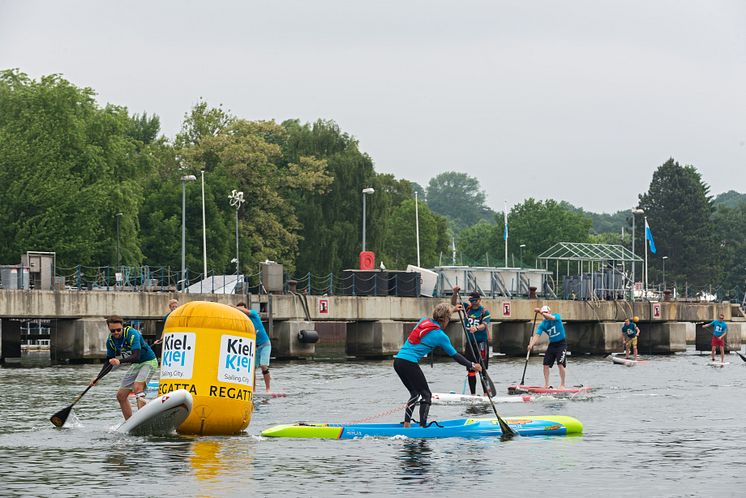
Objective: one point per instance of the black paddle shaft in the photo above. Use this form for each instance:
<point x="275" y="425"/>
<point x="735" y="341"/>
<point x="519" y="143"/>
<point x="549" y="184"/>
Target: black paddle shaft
<point x="487" y="385"/>
<point x="528" y="353"/>
<point x="59" y="418"/>
<point x="507" y="431"/>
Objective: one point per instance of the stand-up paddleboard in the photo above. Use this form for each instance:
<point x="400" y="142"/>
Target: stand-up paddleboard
<point x="271" y="395"/>
<point x="619" y="360"/>
<point x="463" y="427"/>
<point x="473" y="399"/>
<point x="717" y="363"/>
<point x="523" y="389"/>
<point x="160" y="416"/>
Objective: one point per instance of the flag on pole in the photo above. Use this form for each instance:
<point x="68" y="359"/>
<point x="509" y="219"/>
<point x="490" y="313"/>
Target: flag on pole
<point x="649" y="236"/>
<point x="505" y="214"/>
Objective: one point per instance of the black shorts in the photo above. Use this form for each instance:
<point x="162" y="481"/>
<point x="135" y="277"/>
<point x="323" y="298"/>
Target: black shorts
<point x="483" y="348"/>
<point x="556" y="352"/>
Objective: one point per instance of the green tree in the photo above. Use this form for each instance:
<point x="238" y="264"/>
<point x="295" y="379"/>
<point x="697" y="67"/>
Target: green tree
<point x="460" y="198"/>
<point x="67" y="167"/>
<point x="331" y="219"/>
<point x="541" y="224"/>
<point x="679" y="211"/>
<point x="401" y="237"/>
<point x="730" y="239"/>
<point x="481" y="243"/>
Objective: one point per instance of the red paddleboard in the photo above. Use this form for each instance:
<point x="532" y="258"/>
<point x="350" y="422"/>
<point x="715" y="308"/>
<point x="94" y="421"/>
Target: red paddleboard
<point x="523" y="389"/>
<point x="265" y="395"/>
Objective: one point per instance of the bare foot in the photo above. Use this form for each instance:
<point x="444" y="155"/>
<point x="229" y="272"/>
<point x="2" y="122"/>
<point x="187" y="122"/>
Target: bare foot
<point x="407" y="425"/>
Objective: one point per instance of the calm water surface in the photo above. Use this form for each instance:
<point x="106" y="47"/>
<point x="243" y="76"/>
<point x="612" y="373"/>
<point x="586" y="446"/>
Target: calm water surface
<point x="673" y="427"/>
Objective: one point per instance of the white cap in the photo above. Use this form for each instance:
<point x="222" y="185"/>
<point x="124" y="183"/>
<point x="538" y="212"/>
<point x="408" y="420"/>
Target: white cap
<point x="545" y="309"/>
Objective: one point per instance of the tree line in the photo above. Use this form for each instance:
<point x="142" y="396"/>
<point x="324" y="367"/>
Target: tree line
<point x="100" y="186"/>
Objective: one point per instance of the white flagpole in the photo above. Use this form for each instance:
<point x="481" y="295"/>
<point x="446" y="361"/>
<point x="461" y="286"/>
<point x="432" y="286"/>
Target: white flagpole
<point x="646" y="257"/>
<point x="417" y="226"/>
<point x="505" y="215"/>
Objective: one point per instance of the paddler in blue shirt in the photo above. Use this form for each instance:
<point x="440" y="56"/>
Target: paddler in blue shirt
<point x="263" y="344"/>
<point x="557" y="349"/>
<point x="719" y="329"/>
<point x="126" y="345"/>
<point x="427" y="335"/>
<point x="630" y="333"/>
<point x="477" y="324"/>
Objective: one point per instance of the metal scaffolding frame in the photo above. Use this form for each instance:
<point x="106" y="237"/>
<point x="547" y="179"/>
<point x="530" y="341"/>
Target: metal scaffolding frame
<point x="595" y="259"/>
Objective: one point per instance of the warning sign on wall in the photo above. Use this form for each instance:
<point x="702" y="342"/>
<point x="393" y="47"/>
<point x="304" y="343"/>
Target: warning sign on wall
<point x="506" y="308"/>
<point x="656" y="310"/>
<point x="324" y="306"/>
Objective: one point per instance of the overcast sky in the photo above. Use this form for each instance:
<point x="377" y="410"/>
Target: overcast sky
<point x="572" y="100"/>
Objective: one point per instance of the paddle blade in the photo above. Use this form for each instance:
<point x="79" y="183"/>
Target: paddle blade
<point x="59" y="418"/>
<point x="507" y="431"/>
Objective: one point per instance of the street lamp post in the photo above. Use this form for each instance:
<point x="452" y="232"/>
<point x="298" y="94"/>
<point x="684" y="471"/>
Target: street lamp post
<point x="119" y="217"/>
<point x="236" y="199"/>
<point x="522" y="246"/>
<point x="366" y="191"/>
<point x="204" y="229"/>
<point x="664" y="272"/>
<point x="634" y="212"/>
<point x="184" y="179"/>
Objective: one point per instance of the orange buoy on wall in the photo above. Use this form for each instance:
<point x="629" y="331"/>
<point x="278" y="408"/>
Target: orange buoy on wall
<point x="209" y="349"/>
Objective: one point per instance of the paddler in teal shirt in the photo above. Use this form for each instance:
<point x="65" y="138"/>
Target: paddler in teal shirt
<point x="477" y="324"/>
<point x="126" y="345"/>
<point x="719" y="329"/>
<point x="427" y="335"/>
<point x="557" y="349"/>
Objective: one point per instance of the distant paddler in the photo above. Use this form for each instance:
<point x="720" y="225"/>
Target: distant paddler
<point x="630" y="333"/>
<point x="263" y="344"/>
<point x="126" y="345"/>
<point x="557" y="349"/>
<point x="427" y="335"/>
<point x="719" y="329"/>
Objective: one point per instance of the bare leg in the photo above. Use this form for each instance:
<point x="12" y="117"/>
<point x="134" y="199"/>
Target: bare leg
<point x="722" y="354"/>
<point x="546" y="376"/>
<point x="139" y="387"/>
<point x="635" y="353"/>
<point x="124" y="403"/>
<point x="713" y="353"/>
<point x="562" y="376"/>
<point x="626" y="350"/>
<point x="265" y="373"/>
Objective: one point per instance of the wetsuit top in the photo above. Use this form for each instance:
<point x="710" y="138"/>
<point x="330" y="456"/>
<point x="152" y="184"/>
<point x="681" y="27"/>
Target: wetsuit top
<point x="426" y="336"/>
<point x="261" y="334"/>
<point x="131" y="347"/>
<point x="630" y="330"/>
<point x="475" y="316"/>
<point x="719" y="328"/>
<point x="554" y="329"/>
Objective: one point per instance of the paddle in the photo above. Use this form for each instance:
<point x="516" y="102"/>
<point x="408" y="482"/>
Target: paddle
<point x="742" y="356"/>
<point x="59" y="418"/>
<point x="528" y="352"/>
<point x="507" y="431"/>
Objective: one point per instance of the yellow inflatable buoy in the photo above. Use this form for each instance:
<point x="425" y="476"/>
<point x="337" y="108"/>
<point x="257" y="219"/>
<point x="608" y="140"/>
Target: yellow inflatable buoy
<point x="209" y="349"/>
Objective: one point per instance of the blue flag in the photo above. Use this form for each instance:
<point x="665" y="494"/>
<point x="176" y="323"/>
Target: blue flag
<point x="505" y="216"/>
<point x="649" y="236"/>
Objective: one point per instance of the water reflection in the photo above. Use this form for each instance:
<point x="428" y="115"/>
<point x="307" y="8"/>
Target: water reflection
<point x="416" y="457"/>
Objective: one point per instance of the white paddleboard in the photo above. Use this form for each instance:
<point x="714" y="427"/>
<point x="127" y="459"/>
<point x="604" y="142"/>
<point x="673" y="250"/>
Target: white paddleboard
<point x="619" y="360"/>
<point x="266" y="395"/>
<point x="160" y="416"/>
<point x="717" y="363"/>
<point x="471" y="399"/>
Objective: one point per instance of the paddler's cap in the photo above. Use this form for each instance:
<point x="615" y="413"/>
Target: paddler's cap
<point x="545" y="309"/>
<point x="474" y="296"/>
